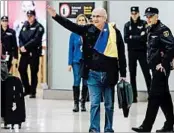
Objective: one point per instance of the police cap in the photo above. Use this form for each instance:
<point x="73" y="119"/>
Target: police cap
<point x="151" y="11"/>
<point x="134" y="9"/>
<point x="5" y="18"/>
<point x="31" y="13"/>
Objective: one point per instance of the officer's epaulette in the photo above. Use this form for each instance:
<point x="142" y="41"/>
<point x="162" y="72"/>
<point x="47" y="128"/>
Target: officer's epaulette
<point x="162" y="25"/>
<point x="127" y="23"/>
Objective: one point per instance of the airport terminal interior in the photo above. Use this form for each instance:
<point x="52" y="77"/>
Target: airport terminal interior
<point x="50" y="109"/>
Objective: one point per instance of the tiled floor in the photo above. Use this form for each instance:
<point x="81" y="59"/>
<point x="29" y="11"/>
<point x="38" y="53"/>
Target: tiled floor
<point x="57" y="116"/>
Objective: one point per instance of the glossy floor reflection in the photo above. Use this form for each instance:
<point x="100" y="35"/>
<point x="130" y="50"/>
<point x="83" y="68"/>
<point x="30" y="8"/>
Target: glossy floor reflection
<point x="57" y="116"/>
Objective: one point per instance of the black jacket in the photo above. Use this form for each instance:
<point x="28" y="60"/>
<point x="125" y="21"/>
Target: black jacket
<point x="31" y="37"/>
<point x="160" y="40"/>
<point x="138" y="33"/>
<point x="9" y="43"/>
<point x="93" y="59"/>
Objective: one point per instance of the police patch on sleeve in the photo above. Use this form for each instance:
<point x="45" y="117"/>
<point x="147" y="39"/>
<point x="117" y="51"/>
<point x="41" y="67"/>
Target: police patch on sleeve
<point x="24" y="29"/>
<point x="166" y="33"/>
<point x="40" y="29"/>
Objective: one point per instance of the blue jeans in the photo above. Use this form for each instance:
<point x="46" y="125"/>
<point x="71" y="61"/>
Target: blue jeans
<point x="76" y="74"/>
<point x="97" y="84"/>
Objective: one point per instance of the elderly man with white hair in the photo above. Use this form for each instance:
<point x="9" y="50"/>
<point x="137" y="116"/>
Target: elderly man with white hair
<point x="104" y="57"/>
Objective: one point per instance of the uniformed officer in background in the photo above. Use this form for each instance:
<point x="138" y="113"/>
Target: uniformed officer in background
<point x="8" y="38"/>
<point x="160" y="54"/>
<point x="30" y="41"/>
<point x="135" y="36"/>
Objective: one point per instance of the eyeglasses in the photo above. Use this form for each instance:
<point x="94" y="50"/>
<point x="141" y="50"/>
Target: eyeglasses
<point x="96" y="16"/>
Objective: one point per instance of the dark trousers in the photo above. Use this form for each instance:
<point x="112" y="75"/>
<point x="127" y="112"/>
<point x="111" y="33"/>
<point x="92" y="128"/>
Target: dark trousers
<point x="159" y="97"/>
<point x="9" y="62"/>
<point x="33" y="61"/>
<point x="133" y="57"/>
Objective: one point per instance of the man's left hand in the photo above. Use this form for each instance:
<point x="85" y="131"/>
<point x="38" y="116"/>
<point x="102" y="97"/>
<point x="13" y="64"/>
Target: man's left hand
<point x="23" y="49"/>
<point x="159" y="67"/>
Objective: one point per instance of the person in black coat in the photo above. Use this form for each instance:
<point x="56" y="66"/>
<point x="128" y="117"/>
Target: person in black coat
<point x="104" y="57"/>
<point x="135" y="36"/>
<point x="160" y="54"/>
<point x="8" y="38"/>
<point x="30" y="43"/>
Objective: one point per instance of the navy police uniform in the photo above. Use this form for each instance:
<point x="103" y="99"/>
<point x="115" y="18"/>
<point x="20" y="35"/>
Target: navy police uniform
<point x="135" y="36"/>
<point x="31" y="38"/>
<point x="160" y="51"/>
<point x="8" y="38"/>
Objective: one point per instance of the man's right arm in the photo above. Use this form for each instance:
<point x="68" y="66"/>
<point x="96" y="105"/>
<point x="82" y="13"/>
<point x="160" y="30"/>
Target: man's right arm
<point x="78" y="29"/>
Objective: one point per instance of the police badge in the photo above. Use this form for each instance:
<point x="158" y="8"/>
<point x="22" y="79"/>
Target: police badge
<point x="24" y="29"/>
<point x="40" y="28"/>
<point x="166" y="33"/>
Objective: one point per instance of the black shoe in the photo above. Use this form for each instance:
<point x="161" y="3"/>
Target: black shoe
<point x="165" y="129"/>
<point x="83" y="108"/>
<point x="76" y="107"/>
<point x="6" y="126"/>
<point x="140" y="129"/>
<point x="32" y="96"/>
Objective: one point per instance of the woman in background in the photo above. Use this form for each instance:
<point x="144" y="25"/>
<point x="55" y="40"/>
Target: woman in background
<point x="75" y="56"/>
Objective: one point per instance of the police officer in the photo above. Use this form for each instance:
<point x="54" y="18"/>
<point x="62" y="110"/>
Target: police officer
<point x="8" y="37"/>
<point x="160" y="54"/>
<point x="30" y="41"/>
<point x="135" y="37"/>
